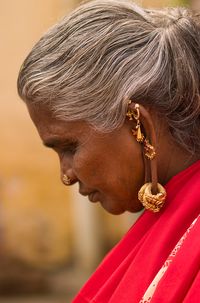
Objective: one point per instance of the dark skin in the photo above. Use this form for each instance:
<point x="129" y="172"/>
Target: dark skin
<point x="109" y="167"/>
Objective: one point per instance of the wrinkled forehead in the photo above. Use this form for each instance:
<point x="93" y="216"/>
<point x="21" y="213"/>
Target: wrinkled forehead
<point x="40" y="114"/>
<point x="48" y="126"/>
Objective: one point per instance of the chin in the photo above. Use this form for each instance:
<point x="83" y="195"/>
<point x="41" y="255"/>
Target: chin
<point x="112" y="207"/>
<point x="115" y="208"/>
<point x="114" y="211"/>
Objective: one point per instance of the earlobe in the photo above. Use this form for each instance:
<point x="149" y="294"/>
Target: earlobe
<point x="152" y="195"/>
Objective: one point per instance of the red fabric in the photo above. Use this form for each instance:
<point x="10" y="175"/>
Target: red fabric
<point x="127" y="271"/>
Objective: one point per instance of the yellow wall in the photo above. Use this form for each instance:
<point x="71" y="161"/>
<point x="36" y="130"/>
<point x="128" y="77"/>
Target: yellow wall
<point x="35" y="209"/>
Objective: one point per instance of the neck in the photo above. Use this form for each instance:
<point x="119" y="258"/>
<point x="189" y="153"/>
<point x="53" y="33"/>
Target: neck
<point x="173" y="160"/>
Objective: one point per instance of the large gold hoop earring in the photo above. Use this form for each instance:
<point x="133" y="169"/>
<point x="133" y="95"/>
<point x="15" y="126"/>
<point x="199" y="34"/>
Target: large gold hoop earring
<point x="152" y="195"/>
<point x="153" y="202"/>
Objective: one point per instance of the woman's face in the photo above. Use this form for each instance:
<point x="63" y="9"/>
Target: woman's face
<point x="108" y="167"/>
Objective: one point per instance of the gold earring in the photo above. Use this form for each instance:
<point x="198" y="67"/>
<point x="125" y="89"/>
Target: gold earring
<point x="66" y="180"/>
<point x="135" y="114"/>
<point x="149" y="200"/>
<point x="149" y="150"/>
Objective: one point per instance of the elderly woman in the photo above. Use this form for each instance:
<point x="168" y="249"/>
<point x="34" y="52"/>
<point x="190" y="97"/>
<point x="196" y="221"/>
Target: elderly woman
<point x="114" y="89"/>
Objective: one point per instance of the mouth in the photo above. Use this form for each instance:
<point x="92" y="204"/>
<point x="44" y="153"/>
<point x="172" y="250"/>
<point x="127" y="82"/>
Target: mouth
<point x="93" y="197"/>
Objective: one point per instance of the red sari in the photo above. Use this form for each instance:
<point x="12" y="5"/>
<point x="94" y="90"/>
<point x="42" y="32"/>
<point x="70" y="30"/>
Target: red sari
<point x="167" y="242"/>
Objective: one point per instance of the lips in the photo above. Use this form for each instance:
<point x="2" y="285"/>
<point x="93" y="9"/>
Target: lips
<point x="93" y="197"/>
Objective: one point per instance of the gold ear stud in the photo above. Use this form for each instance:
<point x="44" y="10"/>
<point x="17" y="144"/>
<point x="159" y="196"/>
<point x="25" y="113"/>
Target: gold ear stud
<point x="66" y="180"/>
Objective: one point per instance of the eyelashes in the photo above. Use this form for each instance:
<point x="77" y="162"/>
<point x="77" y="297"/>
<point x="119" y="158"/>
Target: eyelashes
<point x="69" y="148"/>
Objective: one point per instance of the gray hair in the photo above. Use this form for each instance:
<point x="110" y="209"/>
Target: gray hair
<point x="105" y="52"/>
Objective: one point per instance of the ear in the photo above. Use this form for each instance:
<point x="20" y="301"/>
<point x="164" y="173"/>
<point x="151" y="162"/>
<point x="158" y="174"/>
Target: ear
<point x="139" y="113"/>
<point x="146" y="121"/>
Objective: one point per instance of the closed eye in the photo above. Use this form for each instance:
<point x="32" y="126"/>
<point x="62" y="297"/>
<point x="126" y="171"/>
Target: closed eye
<point x="69" y="146"/>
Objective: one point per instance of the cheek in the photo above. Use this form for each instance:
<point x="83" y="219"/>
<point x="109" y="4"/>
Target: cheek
<point x="128" y="173"/>
<point x="85" y="166"/>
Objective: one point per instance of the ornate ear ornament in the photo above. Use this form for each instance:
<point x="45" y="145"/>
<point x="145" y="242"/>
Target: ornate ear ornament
<point x="66" y="180"/>
<point x="149" y="200"/>
<point x="134" y="114"/>
<point x="149" y="150"/>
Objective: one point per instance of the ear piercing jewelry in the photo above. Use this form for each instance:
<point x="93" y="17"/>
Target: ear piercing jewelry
<point x="66" y="180"/>
<point x="135" y="114"/>
<point x="149" y="200"/>
<point x="153" y="202"/>
<point x="149" y="150"/>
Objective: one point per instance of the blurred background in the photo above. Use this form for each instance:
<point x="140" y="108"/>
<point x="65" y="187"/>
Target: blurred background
<point x="51" y="239"/>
